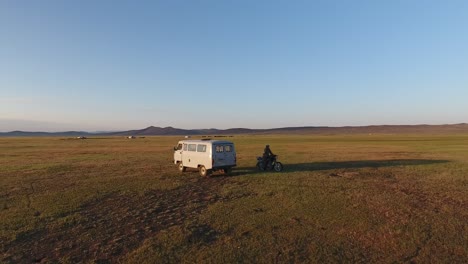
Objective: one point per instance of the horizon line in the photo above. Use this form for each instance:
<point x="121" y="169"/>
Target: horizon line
<point x="192" y="129"/>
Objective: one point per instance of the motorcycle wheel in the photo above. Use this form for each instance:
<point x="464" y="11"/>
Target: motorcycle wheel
<point x="260" y="166"/>
<point x="278" y="167"/>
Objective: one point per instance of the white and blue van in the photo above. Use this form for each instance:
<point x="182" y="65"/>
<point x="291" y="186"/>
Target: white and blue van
<point x="206" y="155"/>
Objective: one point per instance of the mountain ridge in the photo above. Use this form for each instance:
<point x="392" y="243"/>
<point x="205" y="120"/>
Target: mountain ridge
<point x="171" y="131"/>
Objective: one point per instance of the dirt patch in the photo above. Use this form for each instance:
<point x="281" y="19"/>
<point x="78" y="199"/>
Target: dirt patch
<point x="109" y="228"/>
<point x="345" y="174"/>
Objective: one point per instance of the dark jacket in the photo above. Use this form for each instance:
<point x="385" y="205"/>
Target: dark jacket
<point x="267" y="152"/>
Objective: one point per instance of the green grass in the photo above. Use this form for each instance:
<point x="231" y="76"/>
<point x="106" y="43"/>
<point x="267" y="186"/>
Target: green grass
<point x="356" y="198"/>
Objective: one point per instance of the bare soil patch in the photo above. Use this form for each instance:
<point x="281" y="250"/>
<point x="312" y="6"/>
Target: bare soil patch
<point x="109" y="228"/>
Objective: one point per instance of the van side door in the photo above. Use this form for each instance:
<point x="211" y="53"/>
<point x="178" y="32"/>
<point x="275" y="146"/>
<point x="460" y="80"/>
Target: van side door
<point x="189" y="155"/>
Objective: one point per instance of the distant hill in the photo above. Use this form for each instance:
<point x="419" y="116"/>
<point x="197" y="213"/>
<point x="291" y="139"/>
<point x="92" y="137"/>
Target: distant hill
<point x="383" y="129"/>
<point x="160" y="131"/>
<point x="177" y="131"/>
<point x="45" y="134"/>
<point x="170" y="131"/>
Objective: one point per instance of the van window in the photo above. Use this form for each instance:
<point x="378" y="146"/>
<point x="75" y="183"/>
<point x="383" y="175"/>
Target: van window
<point x="192" y="147"/>
<point x="227" y="148"/>
<point x="179" y="147"/>
<point x="201" y="148"/>
<point x="219" y="148"/>
<point x="185" y="147"/>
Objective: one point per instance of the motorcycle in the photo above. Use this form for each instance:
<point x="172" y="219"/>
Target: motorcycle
<point x="272" y="165"/>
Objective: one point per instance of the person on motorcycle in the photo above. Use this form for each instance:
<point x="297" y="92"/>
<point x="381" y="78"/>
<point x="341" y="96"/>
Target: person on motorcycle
<point x="267" y="155"/>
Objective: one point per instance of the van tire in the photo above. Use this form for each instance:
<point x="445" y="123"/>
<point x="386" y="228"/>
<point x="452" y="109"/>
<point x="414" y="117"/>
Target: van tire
<point x="182" y="168"/>
<point x="203" y="171"/>
<point x="227" y="170"/>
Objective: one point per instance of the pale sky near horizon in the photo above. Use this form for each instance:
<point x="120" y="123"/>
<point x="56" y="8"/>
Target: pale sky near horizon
<point x="117" y="65"/>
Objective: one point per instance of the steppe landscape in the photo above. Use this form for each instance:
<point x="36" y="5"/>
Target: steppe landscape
<point x="364" y="102"/>
<point x="361" y="198"/>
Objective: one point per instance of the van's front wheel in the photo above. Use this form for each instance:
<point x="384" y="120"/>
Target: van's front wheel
<point x="203" y="171"/>
<point x="182" y="168"/>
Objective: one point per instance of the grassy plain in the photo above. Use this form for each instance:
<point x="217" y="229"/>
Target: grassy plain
<point x="341" y="198"/>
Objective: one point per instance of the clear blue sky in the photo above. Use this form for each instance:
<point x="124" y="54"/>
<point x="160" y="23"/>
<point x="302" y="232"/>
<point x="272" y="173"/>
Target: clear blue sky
<point x="114" y="65"/>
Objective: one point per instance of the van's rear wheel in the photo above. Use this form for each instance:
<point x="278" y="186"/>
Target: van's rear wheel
<point x="182" y="168"/>
<point x="203" y="171"/>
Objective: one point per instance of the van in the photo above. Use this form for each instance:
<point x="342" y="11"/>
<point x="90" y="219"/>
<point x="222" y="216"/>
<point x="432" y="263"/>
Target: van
<point x="206" y="155"/>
